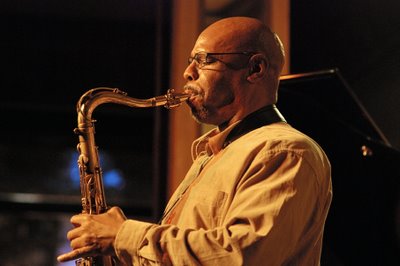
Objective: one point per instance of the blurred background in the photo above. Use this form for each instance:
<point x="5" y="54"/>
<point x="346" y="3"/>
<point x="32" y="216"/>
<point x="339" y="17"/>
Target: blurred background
<point x="346" y="52"/>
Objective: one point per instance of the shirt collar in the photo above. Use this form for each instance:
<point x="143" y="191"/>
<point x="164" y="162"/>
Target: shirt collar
<point x="212" y="142"/>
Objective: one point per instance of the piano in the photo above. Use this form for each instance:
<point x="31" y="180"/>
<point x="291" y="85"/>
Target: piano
<point x="363" y="225"/>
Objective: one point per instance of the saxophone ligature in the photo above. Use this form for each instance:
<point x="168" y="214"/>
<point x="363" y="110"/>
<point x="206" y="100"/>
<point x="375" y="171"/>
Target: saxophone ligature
<point x="91" y="182"/>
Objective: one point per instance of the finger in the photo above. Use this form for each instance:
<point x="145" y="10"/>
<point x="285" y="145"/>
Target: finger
<point x="117" y="212"/>
<point x="74" y="233"/>
<point x="83" y="241"/>
<point x="77" y="220"/>
<point x="76" y="254"/>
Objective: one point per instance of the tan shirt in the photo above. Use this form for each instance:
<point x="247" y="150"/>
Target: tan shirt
<point x="262" y="200"/>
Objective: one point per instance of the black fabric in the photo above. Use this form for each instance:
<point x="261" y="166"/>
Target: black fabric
<point x="262" y="117"/>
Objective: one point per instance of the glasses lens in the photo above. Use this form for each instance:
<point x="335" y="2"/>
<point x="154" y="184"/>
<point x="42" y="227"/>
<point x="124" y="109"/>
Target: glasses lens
<point x="201" y="59"/>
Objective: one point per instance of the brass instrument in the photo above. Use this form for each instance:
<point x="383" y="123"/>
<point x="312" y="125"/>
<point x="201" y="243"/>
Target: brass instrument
<point x="91" y="181"/>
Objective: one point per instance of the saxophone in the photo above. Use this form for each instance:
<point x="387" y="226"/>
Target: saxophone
<point x="91" y="181"/>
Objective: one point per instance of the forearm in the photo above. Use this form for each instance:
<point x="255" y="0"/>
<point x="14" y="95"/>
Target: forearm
<point x="138" y="242"/>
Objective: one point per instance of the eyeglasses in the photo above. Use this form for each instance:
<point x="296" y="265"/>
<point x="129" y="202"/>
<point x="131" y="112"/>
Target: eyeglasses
<point x="203" y="58"/>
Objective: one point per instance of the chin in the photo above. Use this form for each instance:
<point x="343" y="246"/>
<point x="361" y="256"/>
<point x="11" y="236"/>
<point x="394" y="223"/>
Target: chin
<point x="206" y="116"/>
<point x="199" y="118"/>
<point x="202" y="117"/>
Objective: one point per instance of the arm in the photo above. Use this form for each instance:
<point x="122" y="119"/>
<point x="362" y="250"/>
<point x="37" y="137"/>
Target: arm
<point x="271" y="212"/>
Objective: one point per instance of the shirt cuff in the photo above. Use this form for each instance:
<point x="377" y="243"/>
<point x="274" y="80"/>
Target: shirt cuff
<point x="128" y="240"/>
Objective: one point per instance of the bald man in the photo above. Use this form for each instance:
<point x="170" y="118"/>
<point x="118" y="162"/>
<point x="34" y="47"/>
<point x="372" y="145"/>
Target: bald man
<point x="258" y="192"/>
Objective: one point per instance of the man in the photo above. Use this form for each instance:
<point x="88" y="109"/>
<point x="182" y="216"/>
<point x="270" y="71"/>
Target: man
<point x="258" y="191"/>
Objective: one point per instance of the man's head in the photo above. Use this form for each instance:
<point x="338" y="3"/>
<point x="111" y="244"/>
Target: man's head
<point x="233" y="70"/>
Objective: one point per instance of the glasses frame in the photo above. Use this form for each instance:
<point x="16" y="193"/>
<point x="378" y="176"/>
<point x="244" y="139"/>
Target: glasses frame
<point x="204" y="62"/>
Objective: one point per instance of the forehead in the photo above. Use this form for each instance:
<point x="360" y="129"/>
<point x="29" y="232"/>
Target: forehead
<point x="217" y="42"/>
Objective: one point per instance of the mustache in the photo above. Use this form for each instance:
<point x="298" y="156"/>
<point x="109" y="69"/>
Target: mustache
<point x="192" y="90"/>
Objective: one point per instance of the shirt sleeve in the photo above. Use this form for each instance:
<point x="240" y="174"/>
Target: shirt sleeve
<point x="273" y="210"/>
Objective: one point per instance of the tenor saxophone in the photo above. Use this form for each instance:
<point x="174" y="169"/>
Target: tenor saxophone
<point x="91" y="182"/>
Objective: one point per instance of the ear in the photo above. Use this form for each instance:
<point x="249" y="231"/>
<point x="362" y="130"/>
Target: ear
<point x="258" y="66"/>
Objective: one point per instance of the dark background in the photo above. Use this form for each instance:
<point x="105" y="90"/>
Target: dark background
<point x="361" y="39"/>
<point x="53" y="51"/>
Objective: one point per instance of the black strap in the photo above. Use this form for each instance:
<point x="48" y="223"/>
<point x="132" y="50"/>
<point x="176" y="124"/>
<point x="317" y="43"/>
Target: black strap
<point x="262" y="117"/>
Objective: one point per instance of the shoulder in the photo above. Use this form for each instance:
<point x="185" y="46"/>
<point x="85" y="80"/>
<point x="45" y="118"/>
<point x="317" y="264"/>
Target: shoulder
<point x="281" y="138"/>
<point x="279" y="135"/>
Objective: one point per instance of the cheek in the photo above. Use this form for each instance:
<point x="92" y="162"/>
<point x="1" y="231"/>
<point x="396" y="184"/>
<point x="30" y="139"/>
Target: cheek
<point x="218" y="90"/>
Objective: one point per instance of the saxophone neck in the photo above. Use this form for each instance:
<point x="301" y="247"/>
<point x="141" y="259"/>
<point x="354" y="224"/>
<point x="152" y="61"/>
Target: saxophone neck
<point x="95" y="97"/>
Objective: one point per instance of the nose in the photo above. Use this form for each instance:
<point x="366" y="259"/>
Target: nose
<point x="191" y="72"/>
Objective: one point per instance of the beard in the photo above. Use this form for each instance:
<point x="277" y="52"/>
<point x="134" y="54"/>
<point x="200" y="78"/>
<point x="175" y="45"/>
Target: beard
<point x="213" y="103"/>
<point x="211" y="111"/>
<point x="199" y="114"/>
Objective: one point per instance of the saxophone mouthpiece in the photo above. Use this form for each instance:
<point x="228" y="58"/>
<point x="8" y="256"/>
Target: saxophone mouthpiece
<point x="175" y="99"/>
<point x="191" y="91"/>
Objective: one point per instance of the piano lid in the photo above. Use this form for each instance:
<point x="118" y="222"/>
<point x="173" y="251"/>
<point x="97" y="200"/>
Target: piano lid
<point x="325" y="95"/>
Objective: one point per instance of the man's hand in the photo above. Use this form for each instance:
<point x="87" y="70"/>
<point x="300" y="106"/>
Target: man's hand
<point x="93" y="234"/>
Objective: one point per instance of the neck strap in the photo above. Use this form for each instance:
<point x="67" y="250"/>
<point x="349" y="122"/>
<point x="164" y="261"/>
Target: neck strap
<point x="262" y="117"/>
